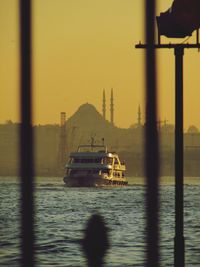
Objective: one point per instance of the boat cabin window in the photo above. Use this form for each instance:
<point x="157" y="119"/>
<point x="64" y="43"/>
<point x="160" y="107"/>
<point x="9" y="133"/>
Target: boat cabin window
<point x="117" y="174"/>
<point x="116" y="161"/>
<point x="105" y="171"/>
<point x="86" y="160"/>
<point x="76" y="160"/>
<point x="108" y="160"/>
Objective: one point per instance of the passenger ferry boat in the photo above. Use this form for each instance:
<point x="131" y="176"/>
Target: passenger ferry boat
<point x="92" y="165"/>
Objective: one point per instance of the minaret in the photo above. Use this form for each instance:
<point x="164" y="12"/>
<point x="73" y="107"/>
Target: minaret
<point x="111" y="107"/>
<point x="139" y="116"/>
<point x="104" y="105"/>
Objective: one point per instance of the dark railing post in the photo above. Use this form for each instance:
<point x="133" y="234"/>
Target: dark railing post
<point x="151" y="137"/>
<point x="26" y="138"/>
<point x="179" y="247"/>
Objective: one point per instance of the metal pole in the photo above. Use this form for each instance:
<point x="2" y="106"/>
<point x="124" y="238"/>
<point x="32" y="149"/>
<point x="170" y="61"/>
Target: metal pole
<point x="179" y="247"/>
<point x="152" y="144"/>
<point x="26" y="139"/>
<point x="179" y="243"/>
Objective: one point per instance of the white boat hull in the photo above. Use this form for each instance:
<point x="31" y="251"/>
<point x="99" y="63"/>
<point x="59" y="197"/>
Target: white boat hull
<point x="91" y="181"/>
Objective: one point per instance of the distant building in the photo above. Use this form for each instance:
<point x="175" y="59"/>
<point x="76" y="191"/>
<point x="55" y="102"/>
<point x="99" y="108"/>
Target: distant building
<point x="193" y="129"/>
<point x="62" y="143"/>
<point x="87" y="122"/>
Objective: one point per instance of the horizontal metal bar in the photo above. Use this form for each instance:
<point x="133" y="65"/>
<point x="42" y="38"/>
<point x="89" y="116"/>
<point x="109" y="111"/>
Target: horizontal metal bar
<point x="169" y="46"/>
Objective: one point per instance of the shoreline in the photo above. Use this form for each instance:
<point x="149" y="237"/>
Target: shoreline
<point x="164" y="180"/>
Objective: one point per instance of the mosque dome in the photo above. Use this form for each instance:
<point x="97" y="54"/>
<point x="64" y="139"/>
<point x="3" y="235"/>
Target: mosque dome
<point x="193" y="129"/>
<point x="88" y="117"/>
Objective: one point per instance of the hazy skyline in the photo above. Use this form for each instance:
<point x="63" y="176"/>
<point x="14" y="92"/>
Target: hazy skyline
<point x="81" y="47"/>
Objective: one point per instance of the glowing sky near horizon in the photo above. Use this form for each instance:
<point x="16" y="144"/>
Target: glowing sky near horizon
<point x="81" y="47"/>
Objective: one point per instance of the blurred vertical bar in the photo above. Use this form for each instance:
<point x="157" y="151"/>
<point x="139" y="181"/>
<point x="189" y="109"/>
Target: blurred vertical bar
<point x="26" y="138"/>
<point x="152" y="144"/>
<point x="179" y="243"/>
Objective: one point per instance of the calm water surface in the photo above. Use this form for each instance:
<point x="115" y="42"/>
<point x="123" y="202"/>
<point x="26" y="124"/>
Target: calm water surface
<point x="61" y="215"/>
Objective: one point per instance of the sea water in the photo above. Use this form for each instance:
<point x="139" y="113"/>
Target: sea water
<point x="62" y="213"/>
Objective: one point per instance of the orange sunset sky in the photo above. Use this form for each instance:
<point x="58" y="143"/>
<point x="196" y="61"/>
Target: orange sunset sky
<point x="81" y="47"/>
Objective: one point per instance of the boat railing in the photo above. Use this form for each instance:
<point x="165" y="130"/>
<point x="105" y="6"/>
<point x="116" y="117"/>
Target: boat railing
<point x="92" y="148"/>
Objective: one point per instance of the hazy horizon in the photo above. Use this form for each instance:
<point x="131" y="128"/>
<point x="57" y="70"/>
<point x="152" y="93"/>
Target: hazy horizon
<point x="82" y="47"/>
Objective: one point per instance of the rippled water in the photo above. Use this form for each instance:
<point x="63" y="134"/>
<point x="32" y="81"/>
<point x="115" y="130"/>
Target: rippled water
<point x="61" y="215"/>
